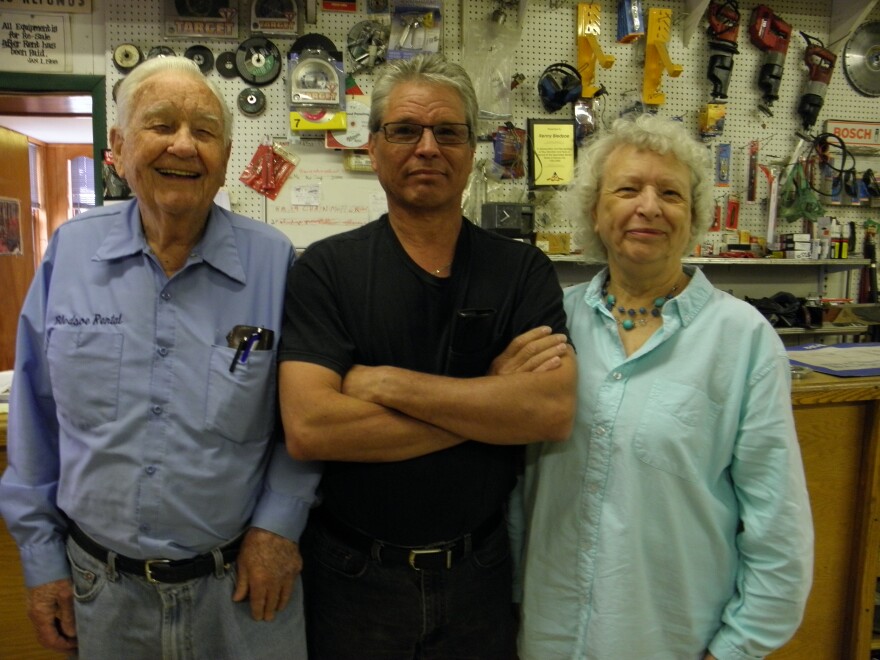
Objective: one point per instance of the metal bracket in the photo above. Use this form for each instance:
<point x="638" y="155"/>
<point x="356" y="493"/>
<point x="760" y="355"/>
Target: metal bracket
<point x="588" y="49"/>
<point x="657" y="58"/>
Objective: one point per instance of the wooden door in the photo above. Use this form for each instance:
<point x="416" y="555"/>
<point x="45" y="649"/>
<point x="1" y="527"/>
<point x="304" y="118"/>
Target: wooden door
<point x="16" y="238"/>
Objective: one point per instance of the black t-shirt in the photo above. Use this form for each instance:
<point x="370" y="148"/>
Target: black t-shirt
<point x="358" y="298"/>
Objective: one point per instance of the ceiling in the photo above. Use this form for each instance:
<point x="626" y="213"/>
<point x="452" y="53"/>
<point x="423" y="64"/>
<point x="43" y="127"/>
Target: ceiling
<point x="54" y="118"/>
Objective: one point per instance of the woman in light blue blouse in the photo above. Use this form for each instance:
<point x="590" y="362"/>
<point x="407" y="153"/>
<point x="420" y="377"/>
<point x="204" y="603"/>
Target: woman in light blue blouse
<point x="675" y="522"/>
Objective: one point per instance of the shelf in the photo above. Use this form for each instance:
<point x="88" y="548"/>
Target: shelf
<point x="573" y="258"/>
<point x="827" y="329"/>
<point x="776" y="263"/>
<point x="723" y="261"/>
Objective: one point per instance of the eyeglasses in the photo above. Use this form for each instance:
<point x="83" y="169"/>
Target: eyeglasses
<point x="405" y="133"/>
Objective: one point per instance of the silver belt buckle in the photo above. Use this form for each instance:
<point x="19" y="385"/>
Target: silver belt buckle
<point x="413" y="554"/>
<point x="148" y="566"/>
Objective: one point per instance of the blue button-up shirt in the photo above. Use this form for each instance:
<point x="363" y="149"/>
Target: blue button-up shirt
<point x="676" y="517"/>
<point x="124" y="415"/>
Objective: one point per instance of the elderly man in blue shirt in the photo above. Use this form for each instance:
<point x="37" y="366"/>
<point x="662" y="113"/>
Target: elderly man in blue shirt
<point x="156" y="512"/>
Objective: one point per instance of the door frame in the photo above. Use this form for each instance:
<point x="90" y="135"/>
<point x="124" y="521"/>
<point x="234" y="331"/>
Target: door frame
<point x="94" y="85"/>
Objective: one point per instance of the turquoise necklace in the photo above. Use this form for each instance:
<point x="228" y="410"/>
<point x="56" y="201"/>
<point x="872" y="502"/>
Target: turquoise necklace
<point x="632" y="317"/>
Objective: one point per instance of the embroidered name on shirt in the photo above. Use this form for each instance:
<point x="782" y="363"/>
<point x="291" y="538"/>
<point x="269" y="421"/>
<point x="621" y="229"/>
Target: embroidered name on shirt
<point x="97" y="319"/>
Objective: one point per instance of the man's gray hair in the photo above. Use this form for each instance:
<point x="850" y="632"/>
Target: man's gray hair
<point x="127" y="93"/>
<point x="425" y="68"/>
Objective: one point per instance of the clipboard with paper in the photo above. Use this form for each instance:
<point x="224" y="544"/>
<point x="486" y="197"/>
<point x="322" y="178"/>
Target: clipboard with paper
<point x="838" y="359"/>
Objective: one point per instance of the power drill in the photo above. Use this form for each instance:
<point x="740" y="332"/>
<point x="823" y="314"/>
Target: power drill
<point x="772" y="35"/>
<point x="723" y="32"/>
<point x="820" y="65"/>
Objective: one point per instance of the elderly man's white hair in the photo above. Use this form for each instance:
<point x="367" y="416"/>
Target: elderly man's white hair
<point x="128" y="88"/>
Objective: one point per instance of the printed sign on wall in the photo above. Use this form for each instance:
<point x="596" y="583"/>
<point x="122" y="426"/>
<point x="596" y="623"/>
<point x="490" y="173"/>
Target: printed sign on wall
<point x="855" y="133"/>
<point x="54" y="6"/>
<point x="34" y="42"/>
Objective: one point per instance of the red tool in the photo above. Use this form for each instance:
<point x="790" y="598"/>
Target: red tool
<point x="732" y="219"/>
<point x="723" y="32"/>
<point x="820" y="64"/>
<point x="772" y="35"/>
<point x="716" y="218"/>
<point x="752" y="172"/>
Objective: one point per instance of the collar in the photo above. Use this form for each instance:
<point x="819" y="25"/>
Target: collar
<point x="686" y="305"/>
<point x="217" y="248"/>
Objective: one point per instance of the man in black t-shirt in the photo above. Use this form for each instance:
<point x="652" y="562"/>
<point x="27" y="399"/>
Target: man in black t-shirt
<point x="419" y="353"/>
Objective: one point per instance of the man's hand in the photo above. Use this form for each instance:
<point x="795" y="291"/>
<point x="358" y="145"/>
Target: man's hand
<point x="50" y="609"/>
<point x="268" y="565"/>
<point x="532" y="351"/>
<point x="359" y="382"/>
<point x="535" y="350"/>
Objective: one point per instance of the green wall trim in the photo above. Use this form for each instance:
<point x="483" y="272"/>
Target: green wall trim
<point x="94" y="85"/>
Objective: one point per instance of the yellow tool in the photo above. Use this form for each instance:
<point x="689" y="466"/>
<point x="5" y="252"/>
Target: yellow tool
<point x="657" y="58"/>
<point x="711" y="119"/>
<point x="588" y="49"/>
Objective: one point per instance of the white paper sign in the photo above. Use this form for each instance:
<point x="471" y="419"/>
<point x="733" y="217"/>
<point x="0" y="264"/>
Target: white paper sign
<point x="56" y="6"/>
<point x="324" y="199"/>
<point x="34" y="42"/>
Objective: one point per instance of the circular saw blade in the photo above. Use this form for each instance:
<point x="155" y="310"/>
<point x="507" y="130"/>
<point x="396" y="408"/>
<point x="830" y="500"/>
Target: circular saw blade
<point x="202" y="56"/>
<point x="252" y="101"/>
<point x="258" y="61"/>
<point x="861" y="59"/>
<point x="225" y="64"/>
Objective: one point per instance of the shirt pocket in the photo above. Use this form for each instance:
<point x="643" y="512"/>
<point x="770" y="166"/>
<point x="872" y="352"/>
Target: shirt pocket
<point x="240" y="405"/>
<point x="675" y="428"/>
<point x="472" y="345"/>
<point x="85" y="368"/>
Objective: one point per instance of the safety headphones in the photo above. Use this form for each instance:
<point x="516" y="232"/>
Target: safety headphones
<point x="559" y="85"/>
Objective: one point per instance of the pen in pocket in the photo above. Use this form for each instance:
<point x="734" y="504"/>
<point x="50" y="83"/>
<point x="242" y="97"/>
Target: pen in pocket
<point x="247" y="338"/>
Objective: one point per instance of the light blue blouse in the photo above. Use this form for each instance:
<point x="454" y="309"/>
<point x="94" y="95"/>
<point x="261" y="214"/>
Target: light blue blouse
<point x="676" y="517"/>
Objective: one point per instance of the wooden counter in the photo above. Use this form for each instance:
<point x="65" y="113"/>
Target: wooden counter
<point x="839" y="432"/>
<point x="838" y="423"/>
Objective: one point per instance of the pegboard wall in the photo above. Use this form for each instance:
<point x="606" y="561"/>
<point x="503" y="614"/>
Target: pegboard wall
<point x="547" y="36"/>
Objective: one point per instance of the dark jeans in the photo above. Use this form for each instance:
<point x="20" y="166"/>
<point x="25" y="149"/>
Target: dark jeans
<point x="359" y="608"/>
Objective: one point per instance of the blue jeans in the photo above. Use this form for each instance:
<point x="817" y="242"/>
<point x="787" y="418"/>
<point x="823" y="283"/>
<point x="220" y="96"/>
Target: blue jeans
<point x="359" y="608"/>
<point x="124" y="616"/>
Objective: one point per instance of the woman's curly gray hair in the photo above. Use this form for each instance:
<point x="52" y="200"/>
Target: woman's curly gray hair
<point x="645" y="132"/>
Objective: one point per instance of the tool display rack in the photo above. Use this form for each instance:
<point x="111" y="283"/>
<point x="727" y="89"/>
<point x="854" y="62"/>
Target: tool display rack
<point x="548" y="35"/>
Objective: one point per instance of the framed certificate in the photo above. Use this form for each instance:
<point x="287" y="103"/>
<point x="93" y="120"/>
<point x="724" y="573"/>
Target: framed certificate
<point x="552" y="149"/>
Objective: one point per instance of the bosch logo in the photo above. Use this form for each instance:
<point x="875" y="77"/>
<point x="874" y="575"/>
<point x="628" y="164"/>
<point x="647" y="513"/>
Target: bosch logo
<point x="854" y="133"/>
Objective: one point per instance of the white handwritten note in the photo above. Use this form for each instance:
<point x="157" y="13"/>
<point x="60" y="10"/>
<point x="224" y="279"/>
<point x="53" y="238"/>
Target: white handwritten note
<point x="321" y="198"/>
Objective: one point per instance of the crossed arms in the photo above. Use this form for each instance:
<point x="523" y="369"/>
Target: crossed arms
<point x="376" y="414"/>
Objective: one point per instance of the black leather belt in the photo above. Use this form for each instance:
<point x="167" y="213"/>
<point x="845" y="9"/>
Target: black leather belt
<point x="431" y="557"/>
<point x="157" y="570"/>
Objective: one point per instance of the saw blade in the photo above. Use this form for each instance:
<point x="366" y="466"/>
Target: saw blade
<point x="861" y="59"/>
<point x="252" y="101"/>
<point x="258" y="61"/>
<point x="202" y="56"/>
